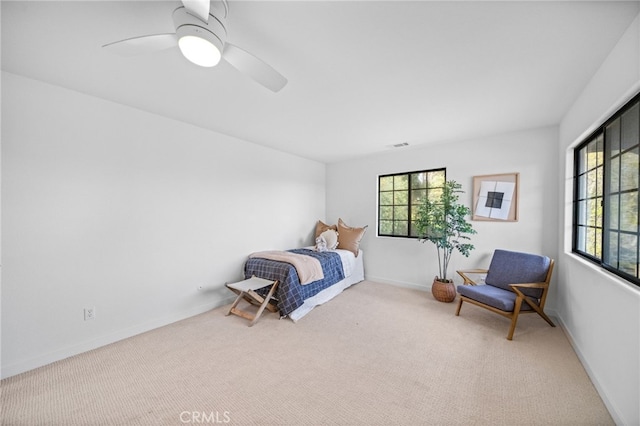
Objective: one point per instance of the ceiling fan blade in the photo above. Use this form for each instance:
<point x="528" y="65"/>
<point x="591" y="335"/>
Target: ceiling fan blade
<point x="198" y="8"/>
<point x="255" y="68"/>
<point x="143" y="44"/>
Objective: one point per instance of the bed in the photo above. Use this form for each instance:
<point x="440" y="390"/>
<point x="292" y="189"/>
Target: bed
<point x="341" y="268"/>
<point x="337" y="252"/>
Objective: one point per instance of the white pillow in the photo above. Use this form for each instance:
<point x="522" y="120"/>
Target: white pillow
<point x="331" y="237"/>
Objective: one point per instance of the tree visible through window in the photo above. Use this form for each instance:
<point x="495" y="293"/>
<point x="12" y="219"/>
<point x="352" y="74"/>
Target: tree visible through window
<point x="607" y="195"/>
<point x="590" y="164"/>
<point x="399" y="196"/>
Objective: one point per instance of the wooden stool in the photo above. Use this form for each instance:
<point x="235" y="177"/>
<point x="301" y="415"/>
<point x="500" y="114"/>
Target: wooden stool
<point x="246" y="290"/>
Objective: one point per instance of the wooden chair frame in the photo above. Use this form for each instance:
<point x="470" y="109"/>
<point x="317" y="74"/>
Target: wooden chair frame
<point x="521" y="297"/>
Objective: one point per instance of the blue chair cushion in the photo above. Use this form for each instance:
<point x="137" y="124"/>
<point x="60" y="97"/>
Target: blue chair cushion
<point x="492" y="296"/>
<point x="511" y="267"/>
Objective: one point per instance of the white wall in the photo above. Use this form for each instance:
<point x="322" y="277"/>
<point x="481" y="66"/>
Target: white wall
<point x="601" y="313"/>
<point x="110" y="207"/>
<point x="352" y="195"/>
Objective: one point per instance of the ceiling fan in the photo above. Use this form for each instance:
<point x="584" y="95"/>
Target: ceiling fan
<point x="201" y="36"/>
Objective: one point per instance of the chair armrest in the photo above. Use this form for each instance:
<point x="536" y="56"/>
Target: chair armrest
<point x="516" y="288"/>
<point x="467" y="280"/>
<point x="530" y="285"/>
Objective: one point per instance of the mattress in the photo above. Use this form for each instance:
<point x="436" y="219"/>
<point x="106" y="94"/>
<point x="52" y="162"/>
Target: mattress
<point x="341" y="269"/>
<point x="355" y="267"/>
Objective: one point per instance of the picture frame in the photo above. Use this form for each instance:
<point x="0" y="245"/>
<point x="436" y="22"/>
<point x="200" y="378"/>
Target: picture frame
<point x="495" y="197"/>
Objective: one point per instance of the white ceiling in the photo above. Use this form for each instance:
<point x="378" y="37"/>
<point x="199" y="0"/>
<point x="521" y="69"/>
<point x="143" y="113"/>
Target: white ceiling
<point x="363" y="75"/>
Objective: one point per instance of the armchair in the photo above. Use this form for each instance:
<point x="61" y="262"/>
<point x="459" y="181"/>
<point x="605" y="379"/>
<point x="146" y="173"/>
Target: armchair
<point x="512" y="278"/>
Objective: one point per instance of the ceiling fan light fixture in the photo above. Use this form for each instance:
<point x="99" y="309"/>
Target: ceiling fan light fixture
<point x="199" y="46"/>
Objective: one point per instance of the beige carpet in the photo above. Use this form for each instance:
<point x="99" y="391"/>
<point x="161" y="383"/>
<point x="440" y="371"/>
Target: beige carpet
<point x="375" y="355"/>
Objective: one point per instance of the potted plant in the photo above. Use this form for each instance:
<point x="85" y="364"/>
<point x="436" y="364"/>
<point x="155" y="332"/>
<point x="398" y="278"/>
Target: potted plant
<point x="442" y="221"/>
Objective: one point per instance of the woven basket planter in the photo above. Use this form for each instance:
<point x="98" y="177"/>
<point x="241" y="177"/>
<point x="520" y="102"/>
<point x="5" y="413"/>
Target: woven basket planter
<point x="443" y="291"/>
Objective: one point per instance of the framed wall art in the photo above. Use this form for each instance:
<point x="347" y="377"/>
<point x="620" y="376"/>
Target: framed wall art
<point x="495" y="197"/>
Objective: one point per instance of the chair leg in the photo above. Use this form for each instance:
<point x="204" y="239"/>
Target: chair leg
<point x="547" y="319"/>
<point x="514" y="318"/>
<point x="539" y="311"/>
<point x="459" y="306"/>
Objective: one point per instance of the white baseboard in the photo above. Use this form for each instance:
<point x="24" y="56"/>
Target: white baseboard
<point x="399" y="283"/>
<point x="617" y="418"/>
<point x="48" y="358"/>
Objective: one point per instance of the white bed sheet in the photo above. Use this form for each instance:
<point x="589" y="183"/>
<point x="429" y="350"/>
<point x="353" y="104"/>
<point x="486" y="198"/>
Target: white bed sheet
<point x="354" y="273"/>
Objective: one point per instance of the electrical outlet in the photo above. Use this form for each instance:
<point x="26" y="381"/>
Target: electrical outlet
<point x="89" y="313"/>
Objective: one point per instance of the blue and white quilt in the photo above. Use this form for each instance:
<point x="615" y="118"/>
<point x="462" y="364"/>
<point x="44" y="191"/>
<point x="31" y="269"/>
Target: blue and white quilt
<point x="290" y="293"/>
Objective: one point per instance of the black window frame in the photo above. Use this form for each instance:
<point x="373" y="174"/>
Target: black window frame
<point x="382" y="217"/>
<point x="609" y="140"/>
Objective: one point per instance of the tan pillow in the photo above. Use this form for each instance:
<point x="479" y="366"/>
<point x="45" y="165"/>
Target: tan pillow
<point x="321" y="227"/>
<point x="349" y="237"/>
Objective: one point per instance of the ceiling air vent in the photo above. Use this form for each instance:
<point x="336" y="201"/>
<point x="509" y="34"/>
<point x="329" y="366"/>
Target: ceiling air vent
<point x="400" y="145"/>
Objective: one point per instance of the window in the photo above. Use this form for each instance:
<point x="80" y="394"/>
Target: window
<point x="590" y="162"/>
<point x="606" y="194"/>
<point x="399" y="196"/>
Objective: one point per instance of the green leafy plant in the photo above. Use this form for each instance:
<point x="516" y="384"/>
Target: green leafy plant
<point x="442" y="221"/>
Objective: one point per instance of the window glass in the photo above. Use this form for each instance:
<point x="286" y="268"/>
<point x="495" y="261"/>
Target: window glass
<point x="629" y="170"/>
<point x="399" y="196"/>
<point x="628" y="255"/>
<point x="629" y="123"/>
<point x="613" y="137"/>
